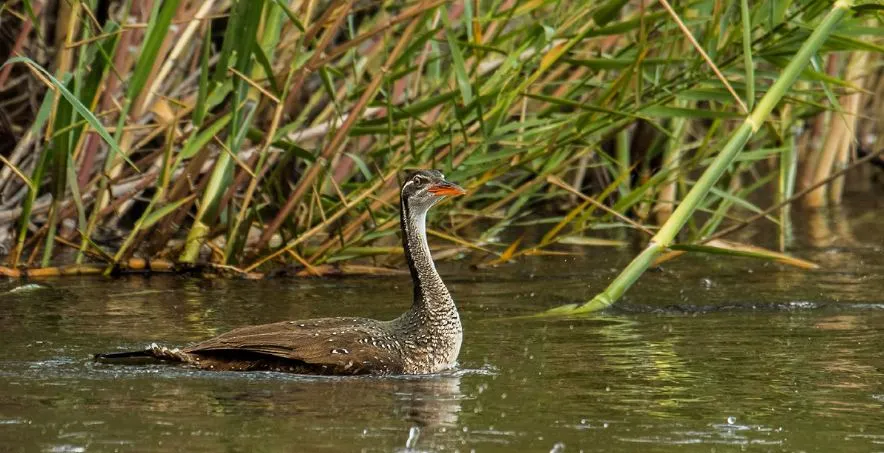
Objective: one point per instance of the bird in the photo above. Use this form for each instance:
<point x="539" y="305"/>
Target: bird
<point x="425" y="339"/>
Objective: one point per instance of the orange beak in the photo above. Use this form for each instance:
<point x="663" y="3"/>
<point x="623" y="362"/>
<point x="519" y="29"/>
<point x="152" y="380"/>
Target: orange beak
<point x="446" y="188"/>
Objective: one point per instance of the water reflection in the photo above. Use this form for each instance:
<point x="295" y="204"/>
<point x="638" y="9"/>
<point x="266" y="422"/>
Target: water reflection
<point x="433" y="401"/>
<point x="424" y="401"/>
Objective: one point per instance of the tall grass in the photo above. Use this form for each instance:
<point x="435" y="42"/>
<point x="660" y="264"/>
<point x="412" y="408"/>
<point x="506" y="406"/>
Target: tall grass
<point x="248" y="133"/>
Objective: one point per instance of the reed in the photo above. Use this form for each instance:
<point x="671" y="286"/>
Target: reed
<point x="662" y="240"/>
<point x="256" y="134"/>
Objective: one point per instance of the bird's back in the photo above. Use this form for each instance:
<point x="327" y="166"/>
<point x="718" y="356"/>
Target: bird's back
<point x="316" y="346"/>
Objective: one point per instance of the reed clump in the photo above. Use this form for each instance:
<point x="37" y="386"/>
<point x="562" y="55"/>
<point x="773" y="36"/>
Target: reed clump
<point x="247" y="134"/>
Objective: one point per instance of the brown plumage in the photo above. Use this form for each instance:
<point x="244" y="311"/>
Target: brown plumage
<point x="425" y="339"/>
<point x="317" y="346"/>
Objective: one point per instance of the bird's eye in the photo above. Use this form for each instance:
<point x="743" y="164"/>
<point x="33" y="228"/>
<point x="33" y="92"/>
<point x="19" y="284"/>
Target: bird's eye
<point x="420" y="179"/>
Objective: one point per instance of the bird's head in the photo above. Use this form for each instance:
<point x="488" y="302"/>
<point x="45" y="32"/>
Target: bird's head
<point x="424" y="188"/>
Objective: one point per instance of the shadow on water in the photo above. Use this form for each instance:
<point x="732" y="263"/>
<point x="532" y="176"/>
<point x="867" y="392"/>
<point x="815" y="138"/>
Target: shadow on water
<point x="703" y="353"/>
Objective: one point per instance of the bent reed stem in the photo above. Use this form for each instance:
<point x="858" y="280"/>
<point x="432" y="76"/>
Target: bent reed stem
<point x="664" y="237"/>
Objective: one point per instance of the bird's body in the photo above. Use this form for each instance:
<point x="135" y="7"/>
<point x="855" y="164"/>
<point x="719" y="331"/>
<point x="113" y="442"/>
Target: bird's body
<point x="425" y="339"/>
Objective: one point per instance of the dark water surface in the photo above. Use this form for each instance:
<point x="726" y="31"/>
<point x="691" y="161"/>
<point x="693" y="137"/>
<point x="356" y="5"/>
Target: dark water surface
<point x="709" y="354"/>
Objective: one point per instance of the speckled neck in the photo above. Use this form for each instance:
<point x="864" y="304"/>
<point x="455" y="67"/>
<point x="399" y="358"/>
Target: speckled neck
<point x="430" y="332"/>
<point x="430" y="293"/>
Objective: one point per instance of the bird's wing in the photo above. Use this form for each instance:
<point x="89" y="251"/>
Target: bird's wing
<point x="342" y="345"/>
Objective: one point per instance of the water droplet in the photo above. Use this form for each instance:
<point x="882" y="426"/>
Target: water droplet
<point x="413" y="433"/>
<point x="559" y="447"/>
<point x="731" y="420"/>
<point x="27" y="287"/>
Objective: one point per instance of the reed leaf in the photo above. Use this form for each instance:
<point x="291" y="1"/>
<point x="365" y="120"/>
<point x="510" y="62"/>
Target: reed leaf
<point x="661" y="241"/>
<point x="76" y="104"/>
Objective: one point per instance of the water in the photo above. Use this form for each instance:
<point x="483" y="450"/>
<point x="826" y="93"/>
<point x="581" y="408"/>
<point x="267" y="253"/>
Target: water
<point x="708" y="354"/>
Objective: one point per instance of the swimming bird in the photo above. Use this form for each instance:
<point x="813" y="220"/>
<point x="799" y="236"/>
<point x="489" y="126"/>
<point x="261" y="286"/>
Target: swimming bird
<point x="425" y="339"/>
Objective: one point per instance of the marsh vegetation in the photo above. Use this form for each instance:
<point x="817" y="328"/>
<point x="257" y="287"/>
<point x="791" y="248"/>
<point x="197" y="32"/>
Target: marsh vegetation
<point x="243" y="136"/>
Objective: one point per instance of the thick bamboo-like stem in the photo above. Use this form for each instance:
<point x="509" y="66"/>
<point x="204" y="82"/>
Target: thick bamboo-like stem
<point x="664" y="237"/>
<point x="788" y="166"/>
<point x="840" y="134"/>
<point x="856" y="73"/>
<point x="809" y="148"/>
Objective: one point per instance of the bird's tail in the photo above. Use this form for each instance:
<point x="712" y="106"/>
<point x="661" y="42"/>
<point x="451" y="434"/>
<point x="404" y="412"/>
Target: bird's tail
<point x="124" y="355"/>
<point x="153" y="353"/>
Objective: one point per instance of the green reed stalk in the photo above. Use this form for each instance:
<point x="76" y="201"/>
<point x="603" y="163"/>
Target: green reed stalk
<point x="788" y="169"/>
<point x="36" y="176"/>
<point x="270" y="35"/>
<point x="664" y="237"/>
<point x="623" y="159"/>
<point x="245" y="21"/>
<point x="747" y="53"/>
